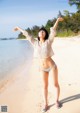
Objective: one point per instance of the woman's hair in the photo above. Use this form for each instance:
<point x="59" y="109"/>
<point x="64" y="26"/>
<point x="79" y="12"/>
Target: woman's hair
<point x="46" y="32"/>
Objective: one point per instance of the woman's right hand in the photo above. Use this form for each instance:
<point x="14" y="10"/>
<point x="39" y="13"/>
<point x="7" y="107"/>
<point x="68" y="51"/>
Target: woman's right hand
<point x="16" y="28"/>
<point x="19" y="29"/>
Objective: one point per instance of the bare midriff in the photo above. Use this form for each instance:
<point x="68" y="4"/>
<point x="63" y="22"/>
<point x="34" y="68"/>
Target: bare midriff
<point x="46" y="62"/>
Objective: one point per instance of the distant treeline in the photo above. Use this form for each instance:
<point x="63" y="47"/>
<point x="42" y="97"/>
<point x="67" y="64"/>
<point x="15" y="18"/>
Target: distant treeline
<point x="7" y="38"/>
<point x="69" y="27"/>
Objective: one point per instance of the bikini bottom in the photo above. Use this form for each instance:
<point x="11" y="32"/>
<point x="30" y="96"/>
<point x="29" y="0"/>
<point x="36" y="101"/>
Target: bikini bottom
<point x="48" y="69"/>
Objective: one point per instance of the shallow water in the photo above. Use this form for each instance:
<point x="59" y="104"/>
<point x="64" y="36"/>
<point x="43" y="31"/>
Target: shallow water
<point x="13" y="54"/>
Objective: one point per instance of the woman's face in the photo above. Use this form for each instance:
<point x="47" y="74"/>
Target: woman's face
<point x="42" y="34"/>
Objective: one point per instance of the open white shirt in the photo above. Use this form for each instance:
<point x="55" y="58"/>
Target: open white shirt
<point x="43" y="50"/>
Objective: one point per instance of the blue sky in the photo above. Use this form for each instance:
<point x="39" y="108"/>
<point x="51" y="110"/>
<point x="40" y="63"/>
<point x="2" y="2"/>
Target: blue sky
<point x="27" y="13"/>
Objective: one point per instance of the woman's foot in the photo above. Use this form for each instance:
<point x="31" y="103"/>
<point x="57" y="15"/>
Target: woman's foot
<point x="57" y="104"/>
<point x="45" y="108"/>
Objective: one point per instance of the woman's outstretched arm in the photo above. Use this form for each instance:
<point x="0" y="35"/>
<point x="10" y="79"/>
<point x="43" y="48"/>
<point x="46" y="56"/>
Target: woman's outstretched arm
<point x="53" y="29"/>
<point x="25" y="33"/>
<point x="56" y="23"/>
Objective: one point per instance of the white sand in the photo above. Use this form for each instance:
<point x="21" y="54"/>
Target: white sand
<point x="26" y="97"/>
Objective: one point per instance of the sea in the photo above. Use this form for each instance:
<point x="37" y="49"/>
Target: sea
<point x="13" y="54"/>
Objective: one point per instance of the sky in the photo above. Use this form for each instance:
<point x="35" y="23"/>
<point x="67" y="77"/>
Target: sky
<point x="27" y="13"/>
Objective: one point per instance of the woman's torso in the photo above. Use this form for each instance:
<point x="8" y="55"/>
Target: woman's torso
<point x="44" y="53"/>
<point x="46" y="62"/>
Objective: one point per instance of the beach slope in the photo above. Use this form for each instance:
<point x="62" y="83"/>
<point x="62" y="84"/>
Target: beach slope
<point x="24" y="93"/>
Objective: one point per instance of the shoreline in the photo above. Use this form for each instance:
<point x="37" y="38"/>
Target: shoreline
<point x="28" y="91"/>
<point x="69" y="37"/>
<point x="12" y="76"/>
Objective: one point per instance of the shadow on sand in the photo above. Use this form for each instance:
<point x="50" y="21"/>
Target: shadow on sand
<point x="67" y="99"/>
<point x="71" y="98"/>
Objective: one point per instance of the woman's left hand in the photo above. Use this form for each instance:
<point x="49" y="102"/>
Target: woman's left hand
<point x="60" y="19"/>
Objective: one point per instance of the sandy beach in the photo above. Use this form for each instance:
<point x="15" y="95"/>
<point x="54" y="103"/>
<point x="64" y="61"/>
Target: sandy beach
<point x="23" y="94"/>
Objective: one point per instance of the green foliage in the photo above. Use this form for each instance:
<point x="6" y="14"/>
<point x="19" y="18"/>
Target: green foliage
<point x="66" y="13"/>
<point x="65" y="33"/>
<point x="75" y="2"/>
<point x="20" y="36"/>
<point x="35" y="30"/>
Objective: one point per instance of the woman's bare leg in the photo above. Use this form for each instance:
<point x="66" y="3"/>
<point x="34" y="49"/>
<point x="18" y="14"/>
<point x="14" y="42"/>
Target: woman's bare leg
<point x="45" y="87"/>
<point x="56" y="84"/>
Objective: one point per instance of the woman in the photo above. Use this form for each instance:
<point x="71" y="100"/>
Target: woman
<point x="43" y="51"/>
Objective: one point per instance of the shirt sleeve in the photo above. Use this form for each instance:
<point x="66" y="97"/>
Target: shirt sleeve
<point x="52" y="34"/>
<point x="29" y="37"/>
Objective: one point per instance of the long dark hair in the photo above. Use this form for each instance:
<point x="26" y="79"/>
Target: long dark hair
<point x="47" y="34"/>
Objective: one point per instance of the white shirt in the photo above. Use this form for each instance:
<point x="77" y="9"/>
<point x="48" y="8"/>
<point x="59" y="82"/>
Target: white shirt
<point x="43" y="50"/>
